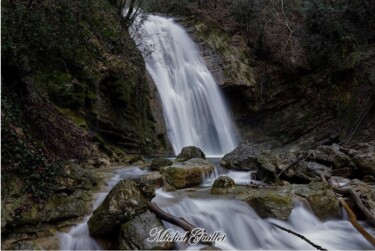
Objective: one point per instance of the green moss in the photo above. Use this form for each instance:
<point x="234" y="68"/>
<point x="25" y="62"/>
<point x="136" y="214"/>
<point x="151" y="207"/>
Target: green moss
<point x="75" y="117"/>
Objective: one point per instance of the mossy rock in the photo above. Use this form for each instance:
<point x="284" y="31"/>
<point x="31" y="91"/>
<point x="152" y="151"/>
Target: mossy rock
<point x="223" y="185"/>
<point x="186" y="174"/>
<point x="158" y="163"/>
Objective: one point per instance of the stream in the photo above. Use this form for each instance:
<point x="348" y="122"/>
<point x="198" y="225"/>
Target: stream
<point x="243" y="228"/>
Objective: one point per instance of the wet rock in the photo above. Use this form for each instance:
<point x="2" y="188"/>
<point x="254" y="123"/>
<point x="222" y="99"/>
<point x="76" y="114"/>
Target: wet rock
<point x="137" y="160"/>
<point x="190" y="152"/>
<point x="364" y="158"/>
<point x="368" y="178"/>
<point x="268" y="202"/>
<point x="330" y="156"/>
<point x="244" y="157"/>
<point x="278" y="202"/>
<point x="320" y="197"/>
<point x="125" y="201"/>
<point x="187" y="174"/>
<point x="134" y="233"/>
<point x="27" y="245"/>
<point x="223" y="185"/>
<point x="158" y="163"/>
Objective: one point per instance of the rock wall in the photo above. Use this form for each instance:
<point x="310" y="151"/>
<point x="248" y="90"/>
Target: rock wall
<point x="272" y="104"/>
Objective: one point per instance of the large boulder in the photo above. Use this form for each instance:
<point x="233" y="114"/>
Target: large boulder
<point x="187" y="174"/>
<point x="125" y="201"/>
<point x="364" y="158"/>
<point x="134" y="233"/>
<point x="320" y="197"/>
<point x="223" y="185"/>
<point x="190" y="152"/>
<point x="268" y="202"/>
<point x="244" y="157"/>
<point x="158" y="163"/>
<point x="278" y="202"/>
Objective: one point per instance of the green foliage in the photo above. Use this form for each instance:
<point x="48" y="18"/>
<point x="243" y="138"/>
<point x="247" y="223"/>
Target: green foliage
<point x="23" y="157"/>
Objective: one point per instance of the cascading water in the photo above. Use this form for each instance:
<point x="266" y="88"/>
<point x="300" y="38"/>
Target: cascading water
<point x="193" y="107"/>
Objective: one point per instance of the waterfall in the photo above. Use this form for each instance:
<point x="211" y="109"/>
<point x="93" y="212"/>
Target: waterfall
<point x="193" y="107"/>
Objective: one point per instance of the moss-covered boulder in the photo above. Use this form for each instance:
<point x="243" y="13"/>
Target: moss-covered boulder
<point x="320" y="197"/>
<point x="190" y="152"/>
<point x="158" y="163"/>
<point x="187" y="174"/>
<point x="134" y="233"/>
<point x="137" y="160"/>
<point x="125" y="201"/>
<point x="268" y="202"/>
<point x="278" y="202"/>
<point x="223" y="185"/>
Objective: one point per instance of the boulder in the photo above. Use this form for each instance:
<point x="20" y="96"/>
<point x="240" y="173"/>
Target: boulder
<point x="137" y="160"/>
<point x="223" y="185"/>
<point x="190" y="152"/>
<point x="158" y="163"/>
<point x="135" y="232"/>
<point x="244" y="157"/>
<point x="187" y="174"/>
<point x="320" y="197"/>
<point x="330" y="156"/>
<point x="364" y="158"/>
<point x="125" y="201"/>
<point x="268" y="202"/>
<point x="278" y="202"/>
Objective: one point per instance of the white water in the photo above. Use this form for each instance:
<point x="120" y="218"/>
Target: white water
<point x="193" y="107"/>
<point x="243" y="228"/>
<point x="246" y="230"/>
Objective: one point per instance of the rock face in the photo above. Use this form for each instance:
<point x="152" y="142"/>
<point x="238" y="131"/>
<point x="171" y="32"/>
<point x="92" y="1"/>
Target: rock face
<point x="364" y="158"/>
<point x="125" y="201"/>
<point x="242" y="158"/>
<point x="158" y="163"/>
<point x="134" y="233"/>
<point x="190" y="152"/>
<point x="223" y="185"/>
<point x="186" y="174"/>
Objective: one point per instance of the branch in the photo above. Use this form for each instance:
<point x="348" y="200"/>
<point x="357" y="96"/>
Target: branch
<point x="299" y="235"/>
<point x="353" y="220"/>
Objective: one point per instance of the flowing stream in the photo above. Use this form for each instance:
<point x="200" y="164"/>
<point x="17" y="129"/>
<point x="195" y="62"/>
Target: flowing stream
<point x="239" y="222"/>
<point x="193" y="107"/>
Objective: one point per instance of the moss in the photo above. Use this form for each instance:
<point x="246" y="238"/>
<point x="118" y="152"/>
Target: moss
<point x="75" y="117"/>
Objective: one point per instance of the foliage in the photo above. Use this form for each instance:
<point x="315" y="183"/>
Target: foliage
<point x="22" y="157"/>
